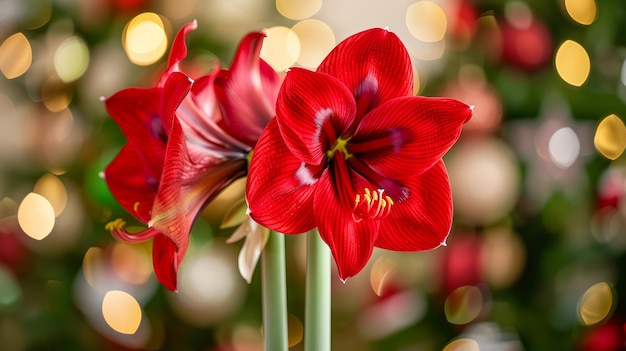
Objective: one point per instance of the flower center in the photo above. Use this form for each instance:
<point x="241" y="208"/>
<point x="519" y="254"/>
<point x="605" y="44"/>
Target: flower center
<point x="341" y="146"/>
<point x="371" y="205"/>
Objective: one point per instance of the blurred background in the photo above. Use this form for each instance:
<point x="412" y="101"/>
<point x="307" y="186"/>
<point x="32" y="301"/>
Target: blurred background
<point x="536" y="259"/>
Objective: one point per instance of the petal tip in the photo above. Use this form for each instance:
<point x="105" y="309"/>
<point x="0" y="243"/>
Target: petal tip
<point x="469" y="113"/>
<point x="101" y="98"/>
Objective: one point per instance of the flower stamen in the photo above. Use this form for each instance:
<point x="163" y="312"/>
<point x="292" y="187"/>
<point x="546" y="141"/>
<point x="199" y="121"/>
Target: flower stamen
<point x="371" y="205"/>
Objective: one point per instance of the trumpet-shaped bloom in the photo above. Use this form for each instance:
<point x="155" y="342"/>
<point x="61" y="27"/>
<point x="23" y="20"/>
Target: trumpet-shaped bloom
<point x="353" y="153"/>
<point x="187" y="140"/>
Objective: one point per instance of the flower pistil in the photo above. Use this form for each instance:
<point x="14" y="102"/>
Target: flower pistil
<point x="341" y="146"/>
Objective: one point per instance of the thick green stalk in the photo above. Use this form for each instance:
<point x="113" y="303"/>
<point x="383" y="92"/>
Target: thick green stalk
<point x="274" y="294"/>
<point x="317" y="298"/>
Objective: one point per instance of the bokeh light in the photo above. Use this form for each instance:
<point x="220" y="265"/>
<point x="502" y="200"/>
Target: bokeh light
<point x="610" y="137"/>
<point x="209" y="285"/>
<point x="463" y="305"/>
<point x="426" y="21"/>
<point x="38" y="14"/>
<point x="298" y="9"/>
<point x="564" y="147"/>
<point x="316" y="41"/>
<point x="132" y="263"/>
<point x="145" y="39"/>
<point x="71" y="59"/>
<point x="572" y="63"/>
<point x="595" y="304"/>
<point x="430" y="51"/>
<point x="16" y="56"/>
<point x="581" y="11"/>
<point x="382" y="270"/>
<point x="121" y="311"/>
<point x="484" y="179"/>
<point x="91" y="266"/>
<point x="473" y="89"/>
<point x="389" y="314"/>
<point x="503" y="257"/>
<point x="56" y="94"/>
<point x="281" y="48"/>
<point x="525" y="42"/>
<point x="36" y="216"/>
<point x="52" y="188"/>
<point x="295" y="330"/>
<point x="246" y="337"/>
<point x="10" y="290"/>
<point x="462" y="344"/>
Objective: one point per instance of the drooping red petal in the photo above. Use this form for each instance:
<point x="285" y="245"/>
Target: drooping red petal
<point x="313" y="109"/>
<point x="423" y="221"/>
<point x="408" y="135"/>
<point x="350" y="242"/>
<point x="248" y="91"/>
<point x="166" y="258"/>
<point x="132" y="182"/>
<point x="178" y="51"/>
<point x="375" y="66"/>
<point x="280" y="187"/>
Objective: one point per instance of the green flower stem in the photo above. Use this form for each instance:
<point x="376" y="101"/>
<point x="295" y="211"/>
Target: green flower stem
<point x="274" y="293"/>
<point x="317" y="303"/>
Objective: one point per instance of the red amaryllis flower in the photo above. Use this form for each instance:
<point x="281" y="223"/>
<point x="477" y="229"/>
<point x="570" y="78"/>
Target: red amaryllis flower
<point x="187" y="140"/>
<point x="352" y="153"/>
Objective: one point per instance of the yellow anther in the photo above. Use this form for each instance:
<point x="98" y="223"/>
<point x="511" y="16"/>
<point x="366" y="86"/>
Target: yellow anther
<point x="389" y="200"/>
<point x="368" y="196"/>
<point x="376" y="205"/>
<point x="115" y="225"/>
<point x="136" y="206"/>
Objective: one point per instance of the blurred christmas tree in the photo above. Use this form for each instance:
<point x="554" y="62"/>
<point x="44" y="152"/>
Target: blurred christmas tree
<point x="535" y="259"/>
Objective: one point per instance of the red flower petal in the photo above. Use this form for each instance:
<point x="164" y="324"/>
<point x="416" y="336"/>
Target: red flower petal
<point x="280" y="187"/>
<point x="375" y="66"/>
<point x="184" y="190"/>
<point x="248" y="91"/>
<point x="132" y="183"/>
<point x="178" y="51"/>
<point x="201" y="118"/>
<point x="423" y="221"/>
<point x="137" y="112"/>
<point x="350" y="242"/>
<point x="406" y="136"/>
<point x="186" y="186"/>
<point x="313" y="109"/>
<point x="175" y="89"/>
<point x="166" y="258"/>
